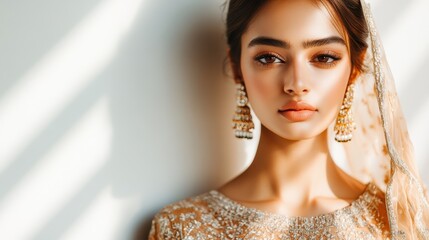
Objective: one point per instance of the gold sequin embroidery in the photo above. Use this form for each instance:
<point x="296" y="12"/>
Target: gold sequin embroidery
<point x="214" y="216"/>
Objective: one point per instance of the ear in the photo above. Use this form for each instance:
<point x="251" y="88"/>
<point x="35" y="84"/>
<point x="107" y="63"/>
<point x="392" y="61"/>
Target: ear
<point x="236" y="71"/>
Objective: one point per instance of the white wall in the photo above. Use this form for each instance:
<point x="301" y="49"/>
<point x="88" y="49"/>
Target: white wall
<point x="110" y="109"/>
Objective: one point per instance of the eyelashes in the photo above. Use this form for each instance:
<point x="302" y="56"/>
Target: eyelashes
<point x="266" y="59"/>
<point x="326" y="59"/>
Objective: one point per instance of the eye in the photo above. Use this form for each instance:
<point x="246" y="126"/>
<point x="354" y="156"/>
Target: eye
<point x="326" y="59"/>
<point x="268" y="58"/>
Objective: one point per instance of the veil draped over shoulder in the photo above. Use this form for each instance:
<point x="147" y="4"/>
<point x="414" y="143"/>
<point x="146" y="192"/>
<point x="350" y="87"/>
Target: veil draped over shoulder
<point x="381" y="150"/>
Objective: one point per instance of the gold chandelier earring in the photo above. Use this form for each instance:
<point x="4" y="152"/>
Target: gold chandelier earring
<point x="242" y="121"/>
<point x="344" y="124"/>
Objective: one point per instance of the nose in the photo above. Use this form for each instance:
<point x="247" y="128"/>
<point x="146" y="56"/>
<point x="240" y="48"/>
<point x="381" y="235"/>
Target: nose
<point x="295" y="81"/>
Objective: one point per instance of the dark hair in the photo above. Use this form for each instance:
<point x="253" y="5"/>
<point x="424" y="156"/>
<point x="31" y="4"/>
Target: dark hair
<point x="349" y="12"/>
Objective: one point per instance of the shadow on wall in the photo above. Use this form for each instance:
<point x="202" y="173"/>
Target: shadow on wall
<point x="171" y="107"/>
<point x="207" y="111"/>
<point x="18" y="61"/>
<point x="27" y="35"/>
<point x="172" y="124"/>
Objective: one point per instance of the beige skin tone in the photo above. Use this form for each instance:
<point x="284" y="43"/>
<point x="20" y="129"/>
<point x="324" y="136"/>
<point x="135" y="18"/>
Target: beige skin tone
<point x="293" y="173"/>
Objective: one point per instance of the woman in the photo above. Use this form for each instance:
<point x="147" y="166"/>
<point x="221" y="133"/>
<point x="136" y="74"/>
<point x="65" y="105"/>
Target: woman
<point x="310" y="69"/>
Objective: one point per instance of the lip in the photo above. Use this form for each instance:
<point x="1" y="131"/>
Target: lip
<point x="297" y="111"/>
<point x="296" y="106"/>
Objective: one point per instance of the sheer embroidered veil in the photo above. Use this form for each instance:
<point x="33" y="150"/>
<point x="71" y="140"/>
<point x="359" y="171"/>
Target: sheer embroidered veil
<point x="380" y="150"/>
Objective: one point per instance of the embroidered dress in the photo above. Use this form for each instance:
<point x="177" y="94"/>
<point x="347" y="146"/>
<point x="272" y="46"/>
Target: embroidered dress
<point x="214" y="216"/>
<point x="381" y="153"/>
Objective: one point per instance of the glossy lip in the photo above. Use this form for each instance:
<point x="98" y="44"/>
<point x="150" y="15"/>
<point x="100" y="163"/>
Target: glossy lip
<point x="296" y="106"/>
<point x="297" y="111"/>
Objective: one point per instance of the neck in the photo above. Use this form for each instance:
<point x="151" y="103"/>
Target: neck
<point x="282" y="167"/>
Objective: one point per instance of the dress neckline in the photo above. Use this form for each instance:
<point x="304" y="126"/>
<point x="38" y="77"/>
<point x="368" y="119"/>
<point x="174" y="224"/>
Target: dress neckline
<point x="369" y="190"/>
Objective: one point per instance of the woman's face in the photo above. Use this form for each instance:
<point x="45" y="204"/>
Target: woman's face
<point x="294" y="59"/>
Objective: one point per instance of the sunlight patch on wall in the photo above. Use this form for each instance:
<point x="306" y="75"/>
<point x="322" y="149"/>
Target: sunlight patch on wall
<point x="374" y="4"/>
<point x="406" y="43"/>
<point x="407" y="48"/>
<point x="102" y="220"/>
<point x="29" y="106"/>
<point x="59" y="175"/>
<point x="419" y="130"/>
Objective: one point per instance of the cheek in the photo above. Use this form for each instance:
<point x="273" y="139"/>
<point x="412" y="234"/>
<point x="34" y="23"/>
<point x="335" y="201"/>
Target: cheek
<point x="261" y="86"/>
<point x="332" y="91"/>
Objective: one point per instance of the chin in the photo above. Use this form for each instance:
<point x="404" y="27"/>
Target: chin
<point x="295" y="134"/>
<point x="299" y="131"/>
<point x="298" y="136"/>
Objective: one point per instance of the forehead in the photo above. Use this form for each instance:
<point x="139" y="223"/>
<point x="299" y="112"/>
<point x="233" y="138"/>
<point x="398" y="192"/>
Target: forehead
<point x="293" y="21"/>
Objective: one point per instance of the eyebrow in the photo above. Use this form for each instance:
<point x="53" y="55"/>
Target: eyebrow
<point x="268" y="41"/>
<point x="306" y="44"/>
